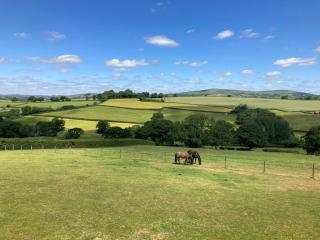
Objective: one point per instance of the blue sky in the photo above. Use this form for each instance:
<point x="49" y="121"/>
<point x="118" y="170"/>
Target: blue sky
<point x="78" y="46"/>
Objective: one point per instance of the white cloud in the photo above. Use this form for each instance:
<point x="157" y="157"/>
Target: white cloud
<point x="247" y="71"/>
<point x="191" y="64"/>
<point x="55" y="36"/>
<point x="273" y="74"/>
<point x="116" y="63"/>
<point x="161" y="40"/>
<point x="317" y="49"/>
<point x="228" y="73"/>
<point x="62" y="59"/>
<point x="190" y="30"/>
<point x="22" y="35"/>
<point x="268" y="37"/>
<point x="224" y="34"/>
<point x="2" y="59"/>
<point x="296" y="61"/>
<point x="249" y="33"/>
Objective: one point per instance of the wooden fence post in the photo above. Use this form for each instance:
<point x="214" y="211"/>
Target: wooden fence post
<point x="120" y="153"/>
<point x="312" y="171"/>
<point x="20" y="147"/>
<point x="5" y="147"/>
<point x="225" y="162"/>
<point x="264" y="166"/>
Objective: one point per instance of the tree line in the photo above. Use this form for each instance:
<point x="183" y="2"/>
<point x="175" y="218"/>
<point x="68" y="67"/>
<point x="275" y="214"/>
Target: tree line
<point x="253" y="128"/>
<point x="111" y="94"/>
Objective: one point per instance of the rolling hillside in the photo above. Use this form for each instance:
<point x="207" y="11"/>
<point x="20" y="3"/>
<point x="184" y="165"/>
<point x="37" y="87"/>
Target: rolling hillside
<point x="242" y="93"/>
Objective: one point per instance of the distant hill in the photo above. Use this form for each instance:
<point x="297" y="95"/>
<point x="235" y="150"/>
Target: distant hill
<point x="241" y="93"/>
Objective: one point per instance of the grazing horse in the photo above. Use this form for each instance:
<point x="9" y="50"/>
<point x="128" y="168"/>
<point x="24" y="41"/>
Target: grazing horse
<point x="195" y="156"/>
<point x="184" y="155"/>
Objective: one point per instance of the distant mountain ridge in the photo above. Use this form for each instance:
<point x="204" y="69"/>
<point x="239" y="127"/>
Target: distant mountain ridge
<point x="244" y="93"/>
<point x="207" y="92"/>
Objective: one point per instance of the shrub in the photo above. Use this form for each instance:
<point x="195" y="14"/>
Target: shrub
<point x="73" y="133"/>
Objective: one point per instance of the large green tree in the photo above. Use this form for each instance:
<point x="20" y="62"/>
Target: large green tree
<point x="312" y="141"/>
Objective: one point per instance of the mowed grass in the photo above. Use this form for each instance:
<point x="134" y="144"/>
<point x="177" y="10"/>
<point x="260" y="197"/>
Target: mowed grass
<point x="140" y="194"/>
<point x="105" y="113"/>
<point x="286" y="105"/>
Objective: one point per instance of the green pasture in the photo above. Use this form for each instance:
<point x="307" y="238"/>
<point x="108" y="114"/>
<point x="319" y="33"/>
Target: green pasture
<point x="179" y="115"/>
<point x="137" y="193"/>
<point x="135" y="103"/>
<point x="299" y="120"/>
<point x="105" y="113"/>
<point x="56" y="105"/>
<point x="5" y="103"/>
<point x="86" y="125"/>
<point x="285" y="105"/>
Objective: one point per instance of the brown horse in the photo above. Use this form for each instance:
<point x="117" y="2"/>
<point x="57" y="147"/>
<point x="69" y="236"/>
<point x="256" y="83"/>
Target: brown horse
<point x="188" y="159"/>
<point x="195" y="156"/>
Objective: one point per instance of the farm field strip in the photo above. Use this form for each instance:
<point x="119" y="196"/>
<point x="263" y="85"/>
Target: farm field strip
<point x="104" y="113"/>
<point x="136" y="104"/>
<point x="275" y="104"/>
<point x="86" y="125"/>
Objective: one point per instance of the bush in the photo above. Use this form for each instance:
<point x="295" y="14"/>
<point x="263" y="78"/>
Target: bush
<point x="102" y="126"/>
<point x="117" y="132"/>
<point x="73" y="133"/>
<point x="67" y="107"/>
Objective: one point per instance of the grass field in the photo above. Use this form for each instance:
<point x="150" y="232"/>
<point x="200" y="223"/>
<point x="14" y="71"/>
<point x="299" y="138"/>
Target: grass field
<point x="179" y="115"/>
<point x="86" y="125"/>
<point x="139" y="194"/>
<point x="106" y="113"/>
<point x="135" y="103"/>
<point x="300" y="121"/>
<point x="4" y="103"/>
<point x="56" y="105"/>
<point x="286" y="105"/>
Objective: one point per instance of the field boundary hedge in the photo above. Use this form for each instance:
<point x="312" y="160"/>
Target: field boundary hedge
<point x="29" y="144"/>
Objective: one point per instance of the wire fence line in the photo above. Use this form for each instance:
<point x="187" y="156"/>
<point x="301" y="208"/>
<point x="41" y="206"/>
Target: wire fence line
<point x="214" y="161"/>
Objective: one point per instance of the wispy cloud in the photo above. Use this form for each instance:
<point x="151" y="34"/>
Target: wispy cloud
<point x="296" y="61"/>
<point x="62" y="62"/>
<point x="191" y="30"/>
<point x="268" y="37"/>
<point x="70" y="59"/>
<point x="249" y="33"/>
<point x="22" y="35"/>
<point x="224" y="34"/>
<point x="55" y="36"/>
<point x="273" y="74"/>
<point x="2" y="59"/>
<point x="118" y="77"/>
<point x="191" y="64"/>
<point x="317" y="49"/>
<point x="248" y="71"/>
<point x="160" y="6"/>
<point x="228" y="74"/>
<point x="161" y="40"/>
